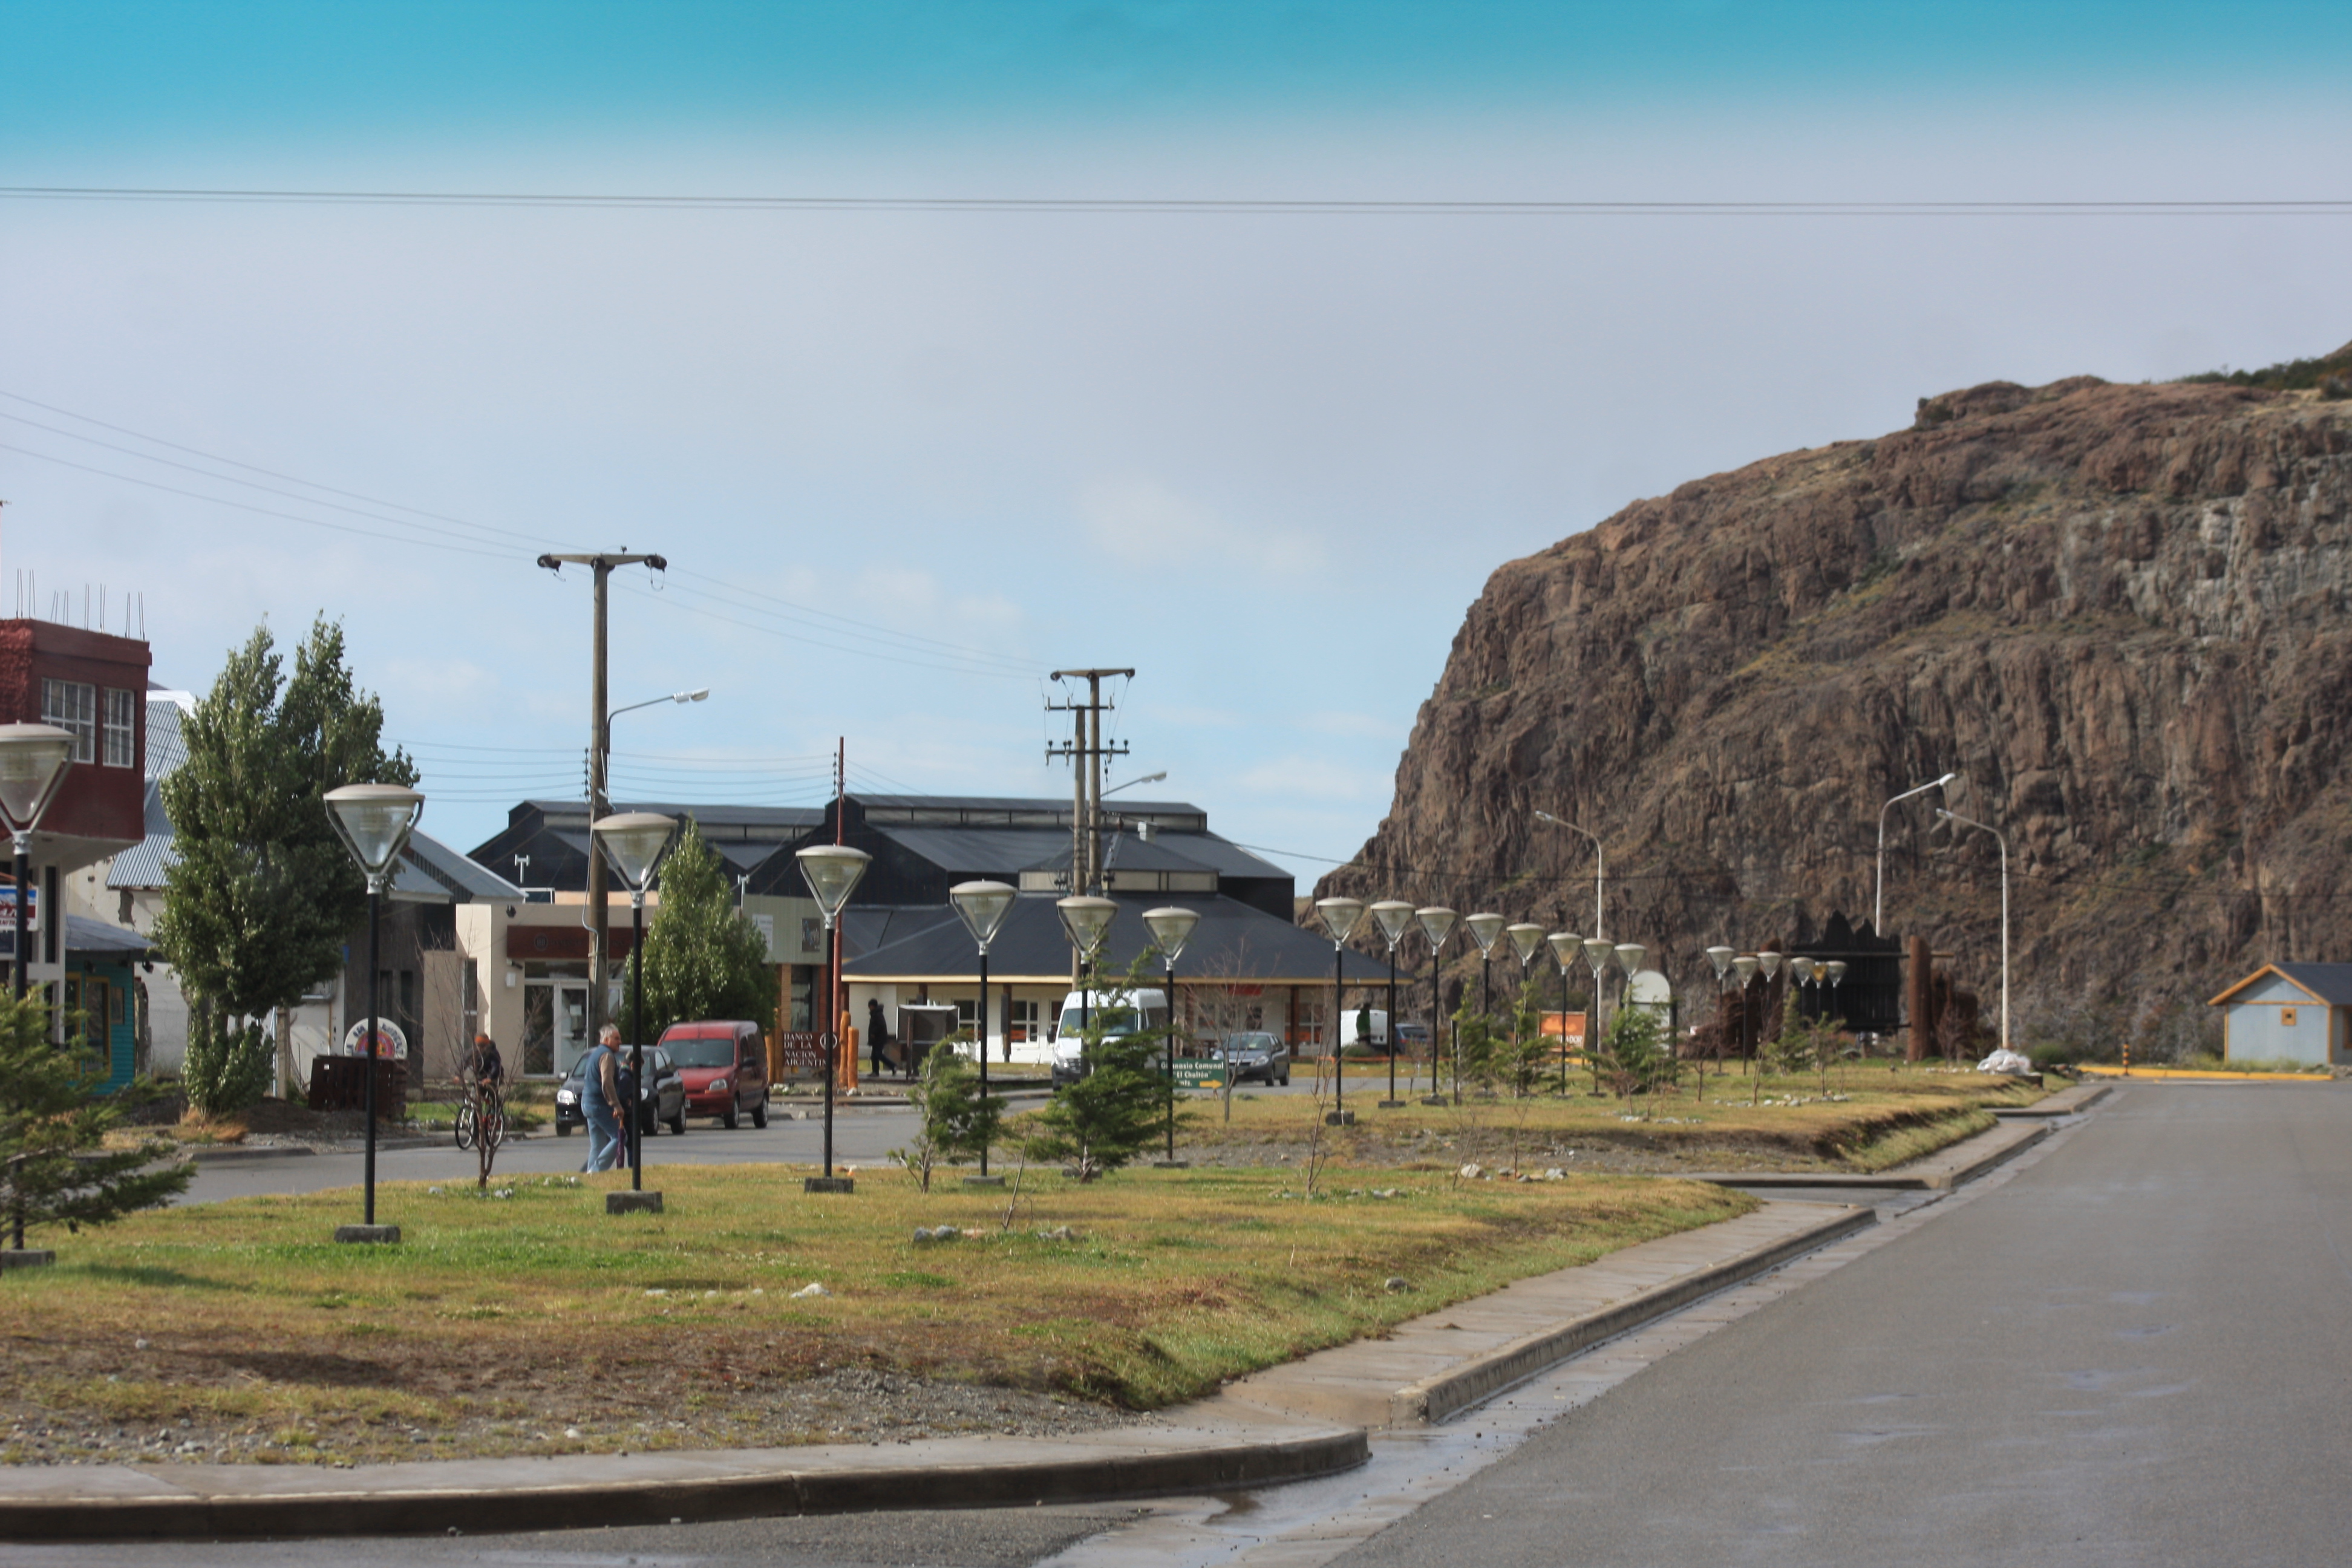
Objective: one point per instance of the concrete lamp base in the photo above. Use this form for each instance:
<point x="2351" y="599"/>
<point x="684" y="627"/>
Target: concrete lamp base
<point x="633" y="1203"/>
<point x="983" y="1181"/>
<point x="15" y="1258"/>
<point x="1392" y="1105"/>
<point x="1172" y="1164"/>
<point x="371" y="1233"/>
<point x="1339" y="1119"/>
<point x="1436" y="1099"/>
<point x="829" y="1184"/>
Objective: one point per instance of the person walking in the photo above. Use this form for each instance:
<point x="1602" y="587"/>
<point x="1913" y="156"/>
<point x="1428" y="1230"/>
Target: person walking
<point x="877" y="1032"/>
<point x="600" y="1101"/>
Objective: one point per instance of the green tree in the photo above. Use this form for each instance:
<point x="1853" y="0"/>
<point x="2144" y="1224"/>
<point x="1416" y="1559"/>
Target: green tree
<point x="1120" y="1107"/>
<point x="261" y="893"/>
<point x="703" y="958"/>
<point x="53" y="1124"/>
<point x="1473" y="1045"/>
<point x="1634" y="1053"/>
<point x="956" y="1120"/>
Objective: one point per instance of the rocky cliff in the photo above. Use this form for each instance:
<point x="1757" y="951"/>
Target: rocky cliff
<point x="2122" y="615"/>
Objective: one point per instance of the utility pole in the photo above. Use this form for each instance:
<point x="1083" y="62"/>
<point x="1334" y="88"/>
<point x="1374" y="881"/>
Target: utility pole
<point x="1088" y="756"/>
<point x="599" y="746"/>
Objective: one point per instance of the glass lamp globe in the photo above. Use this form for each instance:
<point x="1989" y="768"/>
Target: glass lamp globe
<point x="1394" y="917"/>
<point x="831" y="870"/>
<point x="1567" y="947"/>
<point x="1339" y="916"/>
<point x="1597" y="952"/>
<point x="374" y="821"/>
<point x="1770" y="962"/>
<point x="983" y="906"/>
<point x="633" y="841"/>
<point x="33" y="759"/>
<point x="1087" y="920"/>
<point x="1801" y="968"/>
<point x="1170" y="928"/>
<point x="1483" y="930"/>
<point x="1630" y="955"/>
<point x="1436" y="924"/>
<point x="1721" y="958"/>
<point x="1745" y="967"/>
<point x="1835" y="969"/>
<point x="1525" y="940"/>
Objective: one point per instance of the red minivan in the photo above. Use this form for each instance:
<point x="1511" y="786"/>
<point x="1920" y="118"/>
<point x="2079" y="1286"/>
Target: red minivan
<point x="725" y="1065"/>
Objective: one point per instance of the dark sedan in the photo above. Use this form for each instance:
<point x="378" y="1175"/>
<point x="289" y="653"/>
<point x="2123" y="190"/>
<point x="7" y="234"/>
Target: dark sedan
<point x="1255" y="1054"/>
<point x="661" y="1100"/>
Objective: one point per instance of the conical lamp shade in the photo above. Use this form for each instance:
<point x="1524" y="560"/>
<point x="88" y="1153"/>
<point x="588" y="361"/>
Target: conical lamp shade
<point x="1483" y="930"/>
<point x="1339" y="916"/>
<point x="1721" y="958"/>
<point x="1597" y="952"/>
<point x="1630" y="955"/>
<point x="1567" y="947"/>
<point x="1087" y="921"/>
<point x="374" y="821"/>
<point x="1770" y="962"/>
<point x="1745" y="967"/>
<point x="1394" y="917"/>
<point x="1802" y="968"/>
<point x="1170" y="928"/>
<point x="1436" y="924"/>
<point x="831" y="870"/>
<point x="983" y="906"/>
<point x="633" y="842"/>
<point x="1525" y="940"/>
<point x="1835" y="969"/>
<point x="33" y="759"/>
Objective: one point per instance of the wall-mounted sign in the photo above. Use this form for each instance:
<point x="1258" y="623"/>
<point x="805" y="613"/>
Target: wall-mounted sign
<point x="389" y="1040"/>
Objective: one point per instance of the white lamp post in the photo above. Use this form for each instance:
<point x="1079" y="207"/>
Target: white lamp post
<point x="1878" y="899"/>
<point x="983" y="906"/>
<point x="1437" y="924"/>
<point x="1339" y="916"/>
<point x="1394" y="917"/>
<point x="831" y="872"/>
<point x="1567" y="947"/>
<point x="374" y="821"/>
<point x="1998" y="839"/>
<point x="1171" y="927"/>
<point x="635" y="842"/>
<point x="33" y="763"/>
<point x="1600" y="862"/>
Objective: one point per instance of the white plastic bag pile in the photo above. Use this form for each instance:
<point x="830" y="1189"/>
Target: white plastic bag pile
<point x="2005" y="1061"/>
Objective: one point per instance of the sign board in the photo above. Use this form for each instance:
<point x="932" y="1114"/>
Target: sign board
<point x="800" y="1050"/>
<point x="1199" y="1073"/>
<point x="1570" y="1025"/>
<point x="389" y="1040"/>
<point x="1651" y="989"/>
<point x="767" y="925"/>
<point x="8" y="909"/>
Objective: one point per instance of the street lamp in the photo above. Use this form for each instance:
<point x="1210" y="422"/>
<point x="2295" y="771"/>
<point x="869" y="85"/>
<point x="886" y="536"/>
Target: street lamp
<point x="983" y="906"/>
<point x="1086" y="921"/>
<point x="1878" y="900"/>
<point x="374" y="821"/>
<point x="1567" y="947"/>
<point x="1394" y="917"/>
<point x="1835" y="969"/>
<point x="1998" y="839"/>
<point x="1600" y="862"/>
<point x="831" y="872"/>
<point x="633" y="842"/>
<point x="1339" y="916"/>
<point x="1437" y="924"/>
<point x="1526" y="941"/>
<point x="1745" y="967"/>
<point x="1597" y="952"/>
<point x="1721" y="957"/>
<point x="33" y="763"/>
<point x="1170" y="928"/>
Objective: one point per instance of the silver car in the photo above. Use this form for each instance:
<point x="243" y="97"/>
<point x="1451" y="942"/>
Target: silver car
<point x="1255" y="1054"/>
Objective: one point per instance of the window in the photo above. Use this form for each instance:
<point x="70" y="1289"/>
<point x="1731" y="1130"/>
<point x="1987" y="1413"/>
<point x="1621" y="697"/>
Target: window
<point x="121" y="728"/>
<point x="2286" y="1017"/>
<point x="1025" y="1023"/>
<point x="968" y="1013"/>
<point x="72" y="706"/>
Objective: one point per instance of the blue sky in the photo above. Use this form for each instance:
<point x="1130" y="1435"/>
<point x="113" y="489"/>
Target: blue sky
<point x="914" y="460"/>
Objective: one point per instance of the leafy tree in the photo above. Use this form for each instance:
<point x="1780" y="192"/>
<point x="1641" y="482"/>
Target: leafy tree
<point x="1118" y="1109"/>
<point x="1527" y="1053"/>
<point x="261" y="893"/>
<point x="703" y="958"/>
<point x="1473" y="1045"/>
<point x="1634" y="1054"/>
<point x="53" y="1122"/>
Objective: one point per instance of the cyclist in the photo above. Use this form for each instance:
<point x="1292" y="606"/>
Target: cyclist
<point x="484" y="1068"/>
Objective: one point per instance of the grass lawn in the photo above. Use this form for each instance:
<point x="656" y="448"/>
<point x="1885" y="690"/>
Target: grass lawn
<point x="535" y="1324"/>
<point x="1873" y="1118"/>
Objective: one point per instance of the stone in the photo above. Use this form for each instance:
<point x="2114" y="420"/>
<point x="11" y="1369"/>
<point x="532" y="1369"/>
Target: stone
<point x="628" y="1203"/>
<point x="368" y="1235"/>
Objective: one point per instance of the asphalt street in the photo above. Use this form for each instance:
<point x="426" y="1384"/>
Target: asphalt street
<point x="2136" y="1351"/>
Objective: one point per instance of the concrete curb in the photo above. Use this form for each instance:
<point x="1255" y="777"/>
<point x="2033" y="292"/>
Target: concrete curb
<point x="1436" y="1399"/>
<point x="177" y="1504"/>
<point x="232" y="1155"/>
<point x="2065" y="1102"/>
<point x="1943" y="1171"/>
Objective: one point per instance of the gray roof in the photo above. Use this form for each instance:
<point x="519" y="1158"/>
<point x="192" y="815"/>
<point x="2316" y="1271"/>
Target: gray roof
<point x="1232" y="942"/>
<point x="86" y="938"/>
<point x="167" y="748"/>
<point x="2331" y="982"/>
<point x="431" y="871"/>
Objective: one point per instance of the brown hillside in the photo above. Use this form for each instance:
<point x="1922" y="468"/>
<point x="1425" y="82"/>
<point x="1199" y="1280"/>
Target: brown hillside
<point x="2119" y="612"/>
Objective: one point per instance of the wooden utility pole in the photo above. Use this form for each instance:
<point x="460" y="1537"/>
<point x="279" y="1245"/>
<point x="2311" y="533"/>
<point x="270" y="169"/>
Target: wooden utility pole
<point x="599" y="747"/>
<point x="1087" y="755"/>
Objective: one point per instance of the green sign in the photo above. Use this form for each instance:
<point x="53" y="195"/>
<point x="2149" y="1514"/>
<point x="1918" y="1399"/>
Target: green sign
<point x="1199" y="1074"/>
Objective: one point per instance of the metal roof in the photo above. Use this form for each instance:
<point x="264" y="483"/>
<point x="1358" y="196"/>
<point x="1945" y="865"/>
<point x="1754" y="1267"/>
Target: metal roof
<point x="1232" y="942"/>
<point x="86" y="938"/>
<point x="2330" y="983"/>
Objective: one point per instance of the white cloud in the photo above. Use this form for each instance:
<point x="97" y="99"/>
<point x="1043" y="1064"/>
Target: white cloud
<point x="1142" y="521"/>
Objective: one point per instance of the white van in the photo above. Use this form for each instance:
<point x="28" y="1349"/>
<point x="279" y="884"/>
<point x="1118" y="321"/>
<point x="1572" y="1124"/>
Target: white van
<point x="1114" y="1012"/>
<point x="1372" y="1019"/>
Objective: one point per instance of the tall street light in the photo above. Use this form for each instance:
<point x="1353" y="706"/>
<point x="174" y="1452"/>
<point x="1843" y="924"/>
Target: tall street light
<point x="374" y="821"/>
<point x="33" y="759"/>
<point x="1597" y="952"/>
<point x="1436" y="924"/>
<point x="1567" y="947"/>
<point x="831" y="872"/>
<point x="1526" y="941"/>
<point x="1170" y="928"/>
<point x="1600" y="862"/>
<point x="1878" y="899"/>
<point x="1394" y="917"/>
<point x="1485" y="928"/>
<point x="1721" y="958"/>
<point x="1998" y="839"/>
<point x="1086" y="921"/>
<point x="1767" y="963"/>
<point x="1339" y="916"/>
<point x="1835" y="969"/>
<point x="635" y="842"/>
<point x="1745" y="967"/>
<point x="983" y="906"/>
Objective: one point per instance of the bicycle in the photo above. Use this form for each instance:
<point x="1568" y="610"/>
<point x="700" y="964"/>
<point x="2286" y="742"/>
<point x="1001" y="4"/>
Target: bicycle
<point x="481" y="1115"/>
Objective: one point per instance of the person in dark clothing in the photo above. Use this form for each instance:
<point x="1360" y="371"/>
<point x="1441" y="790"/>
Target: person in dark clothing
<point x="877" y="1032"/>
<point x="484" y="1065"/>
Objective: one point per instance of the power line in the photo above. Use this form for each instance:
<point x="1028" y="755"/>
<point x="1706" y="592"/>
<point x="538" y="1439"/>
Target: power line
<point x="1195" y="206"/>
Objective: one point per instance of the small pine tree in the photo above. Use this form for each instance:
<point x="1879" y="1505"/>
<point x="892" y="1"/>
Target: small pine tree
<point x="703" y="959"/>
<point x="1118" y="1109"/>
<point x="51" y="1125"/>
<point x="956" y="1120"/>
<point x="226" y="1069"/>
<point x="1527" y="1053"/>
<point x="1634" y="1054"/>
<point x="1473" y="1045"/>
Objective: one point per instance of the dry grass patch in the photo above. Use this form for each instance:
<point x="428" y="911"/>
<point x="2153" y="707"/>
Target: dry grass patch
<point x="536" y="1323"/>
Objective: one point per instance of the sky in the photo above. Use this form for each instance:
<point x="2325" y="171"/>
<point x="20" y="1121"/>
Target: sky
<point x="1029" y="386"/>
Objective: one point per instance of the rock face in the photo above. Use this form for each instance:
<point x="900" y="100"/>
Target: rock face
<point x="2122" y="615"/>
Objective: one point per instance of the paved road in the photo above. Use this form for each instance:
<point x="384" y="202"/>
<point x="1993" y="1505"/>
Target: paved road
<point x="2138" y="1352"/>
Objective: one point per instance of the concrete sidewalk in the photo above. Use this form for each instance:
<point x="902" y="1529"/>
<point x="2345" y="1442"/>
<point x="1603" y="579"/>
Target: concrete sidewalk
<point x="1303" y="1419"/>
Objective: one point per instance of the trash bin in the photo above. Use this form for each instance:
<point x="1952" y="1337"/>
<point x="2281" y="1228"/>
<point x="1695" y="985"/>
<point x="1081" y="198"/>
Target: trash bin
<point x="921" y="1026"/>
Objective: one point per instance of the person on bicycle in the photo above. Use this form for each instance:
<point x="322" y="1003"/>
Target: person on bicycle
<point x="484" y="1068"/>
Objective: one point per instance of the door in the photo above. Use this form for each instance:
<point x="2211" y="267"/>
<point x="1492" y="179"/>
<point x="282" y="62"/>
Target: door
<point x="554" y="1025"/>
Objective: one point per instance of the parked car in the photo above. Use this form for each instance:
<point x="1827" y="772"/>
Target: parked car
<point x="1255" y="1054"/>
<point x="661" y="1098"/>
<point x="724" y="1062"/>
<point x="1413" y="1040"/>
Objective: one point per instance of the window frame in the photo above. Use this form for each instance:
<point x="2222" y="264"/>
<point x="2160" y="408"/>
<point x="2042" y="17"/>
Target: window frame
<point x="82" y="726"/>
<point x="127" y="730"/>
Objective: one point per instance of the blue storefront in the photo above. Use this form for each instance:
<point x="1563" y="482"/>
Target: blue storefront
<point x="102" y="994"/>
